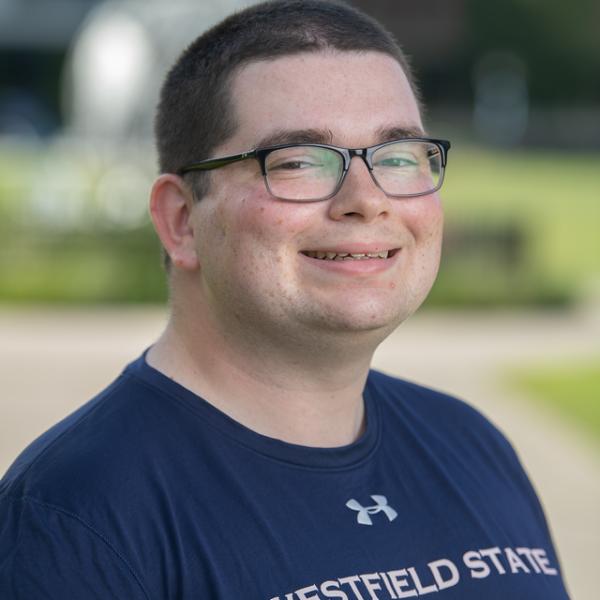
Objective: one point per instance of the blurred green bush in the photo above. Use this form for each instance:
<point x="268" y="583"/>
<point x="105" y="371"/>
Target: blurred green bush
<point x="571" y="390"/>
<point x="522" y="228"/>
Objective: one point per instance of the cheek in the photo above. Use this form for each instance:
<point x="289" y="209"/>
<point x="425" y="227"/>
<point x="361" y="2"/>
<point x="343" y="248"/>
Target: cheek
<point x="254" y="241"/>
<point x="267" y="224"/>
<point x="425" y="219"/>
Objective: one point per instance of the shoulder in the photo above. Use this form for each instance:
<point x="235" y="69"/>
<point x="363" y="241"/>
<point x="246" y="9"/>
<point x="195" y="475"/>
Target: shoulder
<point x="43" y="547"/>
<point x="442" y="421"/>
<point x="421" y="400"/>
<point x="439" y="429"/>
<point x="441" y="434"/>
<point x="84" y="454"/>
<point x="61" y="495"/>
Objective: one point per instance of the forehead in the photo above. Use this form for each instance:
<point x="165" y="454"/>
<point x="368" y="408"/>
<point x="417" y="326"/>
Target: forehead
<point x="352" y="95"/>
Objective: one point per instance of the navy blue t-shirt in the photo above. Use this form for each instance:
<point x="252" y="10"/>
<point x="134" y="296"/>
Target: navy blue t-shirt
<point x="148" y="491"/>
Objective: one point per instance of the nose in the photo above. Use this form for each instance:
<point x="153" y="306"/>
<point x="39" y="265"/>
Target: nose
<point x="359" y="197"/>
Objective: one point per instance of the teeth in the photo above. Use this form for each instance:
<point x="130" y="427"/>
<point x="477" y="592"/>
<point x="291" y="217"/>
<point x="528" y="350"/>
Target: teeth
<point x="323" y="255"/>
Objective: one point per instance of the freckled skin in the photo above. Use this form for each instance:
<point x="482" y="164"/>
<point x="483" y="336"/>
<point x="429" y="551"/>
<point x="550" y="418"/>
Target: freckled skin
<point x="249" y="246"/>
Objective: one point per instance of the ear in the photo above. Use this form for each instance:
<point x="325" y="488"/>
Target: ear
<point x="171" y="204"/>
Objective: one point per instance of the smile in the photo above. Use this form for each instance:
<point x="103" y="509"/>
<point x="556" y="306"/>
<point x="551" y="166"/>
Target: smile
<point x="331" y="255"/>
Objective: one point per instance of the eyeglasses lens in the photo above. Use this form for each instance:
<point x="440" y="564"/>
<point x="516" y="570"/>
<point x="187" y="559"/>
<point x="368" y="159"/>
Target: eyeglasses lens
<point x="407" y="168"/>
<point x="305" y="173"/>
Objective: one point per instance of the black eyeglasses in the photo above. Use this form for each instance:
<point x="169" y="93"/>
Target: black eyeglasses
<point x="401" y="168"/>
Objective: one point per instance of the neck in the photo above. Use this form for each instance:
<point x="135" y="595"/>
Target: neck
<point x="300" y="392"/>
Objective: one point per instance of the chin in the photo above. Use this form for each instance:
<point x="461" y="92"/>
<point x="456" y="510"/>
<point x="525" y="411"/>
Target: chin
<point x="365" y="312"/>
<point x="370" y="320"/>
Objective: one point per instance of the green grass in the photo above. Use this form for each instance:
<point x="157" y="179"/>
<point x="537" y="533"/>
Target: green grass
<point x="83" y="268"/>
<point x="553" y="196"/>
<point x="572" y="390"/>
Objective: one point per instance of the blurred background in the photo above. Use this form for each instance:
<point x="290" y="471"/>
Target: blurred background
<point x="514" y="84"/>
<point x="513" y="321"/>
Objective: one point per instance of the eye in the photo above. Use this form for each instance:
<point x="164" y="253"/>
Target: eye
<point x="293" y="164"/>
<point x="306" y="162"/>
<point x="294" y="159"/>
<point x="396" y="161"/>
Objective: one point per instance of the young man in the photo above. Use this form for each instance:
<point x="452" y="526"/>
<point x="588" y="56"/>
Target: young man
<point x="250" y="452"/>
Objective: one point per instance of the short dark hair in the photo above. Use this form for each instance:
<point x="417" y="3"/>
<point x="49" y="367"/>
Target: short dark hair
<point x="194" y="114"/>
<point x="195" y="111"/>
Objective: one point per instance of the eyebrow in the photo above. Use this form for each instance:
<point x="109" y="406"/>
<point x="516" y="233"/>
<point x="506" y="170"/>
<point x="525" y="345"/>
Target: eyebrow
<point x="296" y="136"/>
<point x="325" y="136"/>
<point x="395" y="132"/>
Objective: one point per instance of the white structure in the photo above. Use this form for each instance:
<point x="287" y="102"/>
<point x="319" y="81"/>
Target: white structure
<point x="120" y="57"/>
<point x="97" y="174"/>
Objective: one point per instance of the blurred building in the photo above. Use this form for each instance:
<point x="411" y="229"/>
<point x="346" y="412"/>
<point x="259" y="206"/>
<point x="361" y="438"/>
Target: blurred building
<point x="62" y="58"/>
<point x="34" y="38"/>
<point x="96" y="66"/>
<point x="79" y="82"/>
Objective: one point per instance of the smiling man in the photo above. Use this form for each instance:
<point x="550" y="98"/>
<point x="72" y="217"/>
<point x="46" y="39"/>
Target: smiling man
<point x="251" y="452"/>
<point x="300" y="259"/>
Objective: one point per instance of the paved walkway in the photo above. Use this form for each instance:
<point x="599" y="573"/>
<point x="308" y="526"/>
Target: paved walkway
<point x="52" y="360"/>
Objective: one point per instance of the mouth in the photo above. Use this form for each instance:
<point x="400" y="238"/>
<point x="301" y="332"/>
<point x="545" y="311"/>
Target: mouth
<point x="348" y="256"/>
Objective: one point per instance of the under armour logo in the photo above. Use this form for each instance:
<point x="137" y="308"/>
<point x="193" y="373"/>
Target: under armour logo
<point x="364" y="512"/>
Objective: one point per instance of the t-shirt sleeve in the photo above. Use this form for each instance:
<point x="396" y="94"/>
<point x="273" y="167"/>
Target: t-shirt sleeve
<point x="48" y="553"/>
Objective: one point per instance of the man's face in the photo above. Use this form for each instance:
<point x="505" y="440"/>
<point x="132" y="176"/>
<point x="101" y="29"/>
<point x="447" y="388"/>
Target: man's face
<point x="252" y="248"/>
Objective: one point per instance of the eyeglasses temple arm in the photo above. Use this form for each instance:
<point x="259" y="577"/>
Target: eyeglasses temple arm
<point x="216" y="163"/>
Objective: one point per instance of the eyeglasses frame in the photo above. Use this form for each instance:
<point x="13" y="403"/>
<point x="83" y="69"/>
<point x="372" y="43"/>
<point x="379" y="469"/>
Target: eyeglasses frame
<point x="347" y="154"/>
